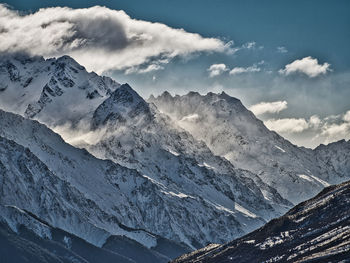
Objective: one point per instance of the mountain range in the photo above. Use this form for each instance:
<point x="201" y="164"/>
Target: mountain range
<point x="233" y="132"/>
<point x="89" y="165"/>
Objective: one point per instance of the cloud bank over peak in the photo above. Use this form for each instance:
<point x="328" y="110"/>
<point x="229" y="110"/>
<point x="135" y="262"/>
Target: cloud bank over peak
<point x="322" y="130"/>
<point x="98" y="37"/>
<point x="268" y="107"/>
<point x="308" y="66"/>
<point x="287" y="125"/>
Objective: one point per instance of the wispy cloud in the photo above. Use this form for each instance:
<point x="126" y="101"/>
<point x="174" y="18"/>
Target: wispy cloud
<point x="252" y="45"/>
<point x="249" y="45"/>
<point x="217" y="69"/>
<point x="268" y="107"/>
<point x="98" y="37"/>
<point x="282" y="49"/>
<point x="240" y="70"/>
<point x="149" y="68"/>
<point x="308" y="66"/>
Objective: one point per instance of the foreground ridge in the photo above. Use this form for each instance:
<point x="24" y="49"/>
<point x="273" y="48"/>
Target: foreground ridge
<point x="316" y="230"/>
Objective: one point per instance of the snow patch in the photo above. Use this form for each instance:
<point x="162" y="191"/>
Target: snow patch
<point x="313" y="179"/>
<point x="324" y="183"/>
<point x="206" y="165"/>
<point x="306" y="177"/>
<point x="244" y="211"/>
<point x="279" y="148"/>
<point x="173" y="152"/>
<point x="190" y="118"/>
<point x="181" y="195"/>
<point x="154" y="181"/>
<point x="273" y="241"/>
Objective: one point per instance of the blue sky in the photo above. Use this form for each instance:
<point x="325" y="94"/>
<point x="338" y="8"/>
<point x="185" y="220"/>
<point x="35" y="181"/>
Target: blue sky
<point x="262" y="37"/>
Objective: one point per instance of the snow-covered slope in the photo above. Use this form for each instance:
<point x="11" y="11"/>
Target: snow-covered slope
<point x="182" y="188"/>
<point x="71" y="190"/>
<point x="138" y="136"/>
<point x="198" y="190"/>
<point x="317" y="230"/>
<point x="49" y="89"/>
<point x="334" y="161"/>
<point x="24" y="238"/>
<point x="233" y="132"/>
<point x="108" y="196"/>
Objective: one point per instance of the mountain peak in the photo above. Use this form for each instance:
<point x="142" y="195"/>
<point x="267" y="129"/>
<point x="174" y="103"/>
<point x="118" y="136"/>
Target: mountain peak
<point x="126" y="89"/>
<point x="193" y="94"/>
<point x="124" y="103"/>
<point x="229" y="98"/>
<point x="54" y="90"/>
<point x="166" y="94"/>
<point x="125" y="95"/>
<point x="67" y="60"/>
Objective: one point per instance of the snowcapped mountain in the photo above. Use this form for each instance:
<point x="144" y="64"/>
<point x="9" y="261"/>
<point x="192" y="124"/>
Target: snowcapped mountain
<point x="71" y="190"/>
<point x="233" y="132"/>
<point x="317" y="230"/>
<point x="194" y="191"/>
<point x="177" y="172"/>
<point x="49" y="89"/>
<point x="139" y="137"/>
<point x="334" y="160"/>
<point x="96" y="200"/>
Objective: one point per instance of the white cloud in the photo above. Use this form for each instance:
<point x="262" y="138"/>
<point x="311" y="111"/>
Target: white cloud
<point x="217" y="69"/>
<point x="308" y="66"/>
<point x="239" y="70"/>
<point x="346" y="116"/>
<point x="338" y="130"/>
<point x="287" y="125"/>
<point x="268" y="107"/>
<point x="322" y="130"/>
<point x="98" y="37"/>
<point x="315" y="121"/>
<point x="282" y="50"/>
<point x="249" y="45"/>
<point x="149" y="68"/>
